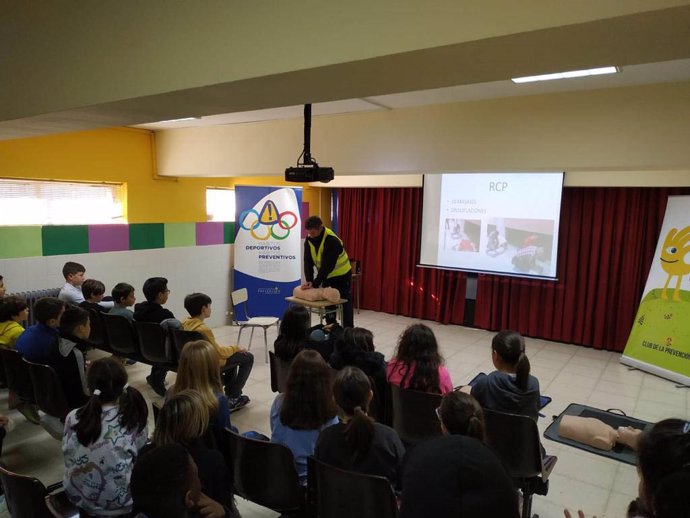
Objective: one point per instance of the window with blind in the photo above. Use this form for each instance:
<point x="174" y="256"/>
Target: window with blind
<point x="220" y="204"/>
<point x="33" y="202"/>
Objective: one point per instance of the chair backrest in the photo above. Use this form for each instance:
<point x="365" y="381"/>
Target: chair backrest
<point x="98" y="336"/>
<point x="515" y="438"/>
<point x="279" y="372"/>
<point x="17" y="374"/>
<point x="239" y="296"/>
<point x="59" y="505"/>
<point x="153" y="342"/>
<point x="414" y="414"/>
<point x="264" y="472"/>
<point x="181" y="337"/>
<point x="121" y="335"/>
<point x="25" y="496"/>
<point x="48" y="390"/>
<point x="338" y="493"/>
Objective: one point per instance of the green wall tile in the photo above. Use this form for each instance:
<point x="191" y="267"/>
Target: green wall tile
<point x="143" y="236"/>
<point x="180" y="234"/>
<point x="20" y="242"/>
<point x="229" y="232"/>
<point x="67" y="239"/>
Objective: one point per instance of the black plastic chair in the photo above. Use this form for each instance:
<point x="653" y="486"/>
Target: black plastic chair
<point x="121" y="336"/>
<point x="279" y="372"/>
<point x="414" y="414"/>
<point x="49" y="393"/>
<point x="265" y="473"/>
<point x="181" y="337"/>
<point x="59" y="506"/>
<point x="98" y="337"/>
<point x="337" y="493"/>
<point x="26" y="496"/>
<point x="153" y="340"/>
<point x="515" y="438"/>
<point x="17" y="374"/>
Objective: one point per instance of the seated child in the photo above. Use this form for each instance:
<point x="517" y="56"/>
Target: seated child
<point x="12" y="311"/>
<point x="295" y="335"/>
<point x="460" y="414"/>
<point x="151" y="310"/>
<point x="102" y="440"/>
<point x="510" y="388"/>
<point x="74" y="278"/>
<point x="75" y="328"/>
<point x="305" y="408"/>
<point x="93" y="292"/>
<point x="358" y="443"/>
<point x="199" y="307"/>
<point x="123" y="298"/>
<point x="165" y="484"/>
<point x="417" y="364"/>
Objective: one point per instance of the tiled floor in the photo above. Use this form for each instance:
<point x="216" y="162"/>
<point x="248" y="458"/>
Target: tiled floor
<point x="566" y="373"/>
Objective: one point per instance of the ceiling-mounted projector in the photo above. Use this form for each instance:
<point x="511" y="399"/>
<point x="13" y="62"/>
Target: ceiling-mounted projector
<point x="309" y="174"/>
<point x="308" y="170"/>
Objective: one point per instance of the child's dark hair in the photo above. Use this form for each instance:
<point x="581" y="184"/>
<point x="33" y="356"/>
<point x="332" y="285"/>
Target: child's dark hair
<point x="417" y="345"/>
<point x="293" y="329"/>
<point x="11" y="307"/>
<point x="461" y="414"/>
<point x="47" y="308"/>
<point x="154" y="286"/>
<point x="121" y="291"/>
<point x="352" y="391"/>
<point x="359" y="338"/>
<point x="160" y="480"/>
<point x="313" y="222"/>
<point x="107" y="381"/>
<point x="663" y="456"/>
<point x="308" y="400"/>
<point x="195" y="302"/>
<point x="71" y="268"/>
<point x="510" y="346"/>
<point x="92" y="288"/>
<point x="72" y="318"/>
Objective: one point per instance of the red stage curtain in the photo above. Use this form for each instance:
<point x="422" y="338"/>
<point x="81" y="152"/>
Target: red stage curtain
<point x="381" y="228"/>
<point x="607" y="241"/>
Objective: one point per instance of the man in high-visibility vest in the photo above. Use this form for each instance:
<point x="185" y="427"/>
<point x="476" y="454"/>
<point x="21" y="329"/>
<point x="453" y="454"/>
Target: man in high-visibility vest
<point x="324" y="251"/>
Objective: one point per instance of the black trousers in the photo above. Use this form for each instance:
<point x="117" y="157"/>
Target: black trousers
<point x="343" y="285"/>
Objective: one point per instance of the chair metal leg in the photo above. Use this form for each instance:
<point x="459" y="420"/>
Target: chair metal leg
<point x="239" y="336"/>
<point x="527" y="505"/>
<point x="266" y="342"/>
<point x="251" y="337"/>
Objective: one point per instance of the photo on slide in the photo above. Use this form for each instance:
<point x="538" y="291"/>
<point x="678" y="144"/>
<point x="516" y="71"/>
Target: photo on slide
<point x="529" y="244"/>
<point x="462" y="235"/>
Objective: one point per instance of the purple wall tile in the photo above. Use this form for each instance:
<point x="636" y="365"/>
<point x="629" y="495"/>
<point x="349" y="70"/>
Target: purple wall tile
<point x="209" y="233"/>
<point x="108" y="238"/>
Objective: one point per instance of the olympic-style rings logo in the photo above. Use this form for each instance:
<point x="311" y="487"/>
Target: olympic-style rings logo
<point x="268" y="217"/>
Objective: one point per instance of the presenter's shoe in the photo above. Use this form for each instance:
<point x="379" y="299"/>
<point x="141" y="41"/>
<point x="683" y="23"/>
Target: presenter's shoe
<point x="237" y="403"/>
<point x="157" y="386"/>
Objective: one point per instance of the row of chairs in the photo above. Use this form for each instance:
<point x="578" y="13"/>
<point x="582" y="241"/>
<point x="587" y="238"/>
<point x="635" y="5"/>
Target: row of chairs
<point x="142" y="341"/>
<point x="265" y="473"/>
<point x="412" y="414"/>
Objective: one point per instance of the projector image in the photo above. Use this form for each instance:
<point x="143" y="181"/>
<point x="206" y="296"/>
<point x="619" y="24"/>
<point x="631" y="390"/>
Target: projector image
<point x="309" y="174"/>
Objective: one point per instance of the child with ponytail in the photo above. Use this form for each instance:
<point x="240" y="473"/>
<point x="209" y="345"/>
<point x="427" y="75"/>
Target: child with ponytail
<point x="358" y="443"/>
<point x="460" y="414"/>
<point x="510" y="388"/>
<point x="101" y="442"/>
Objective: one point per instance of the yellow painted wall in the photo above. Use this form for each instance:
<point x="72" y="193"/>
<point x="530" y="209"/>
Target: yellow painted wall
<point x="124" y="155"/>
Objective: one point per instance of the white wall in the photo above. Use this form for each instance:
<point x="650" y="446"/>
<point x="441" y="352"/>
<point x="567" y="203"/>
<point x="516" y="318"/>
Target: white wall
<point x="206" y="269"/>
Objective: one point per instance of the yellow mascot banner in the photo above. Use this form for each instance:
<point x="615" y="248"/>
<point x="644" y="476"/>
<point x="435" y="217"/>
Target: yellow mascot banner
<point x="659" y="341"/>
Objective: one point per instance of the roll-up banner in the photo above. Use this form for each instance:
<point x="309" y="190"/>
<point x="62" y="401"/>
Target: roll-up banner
<point x="659" y="341"/>
<point x="267" y="250"/>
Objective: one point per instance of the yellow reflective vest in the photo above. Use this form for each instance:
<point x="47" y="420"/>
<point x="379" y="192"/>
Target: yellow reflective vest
<point x="342" y="265"/>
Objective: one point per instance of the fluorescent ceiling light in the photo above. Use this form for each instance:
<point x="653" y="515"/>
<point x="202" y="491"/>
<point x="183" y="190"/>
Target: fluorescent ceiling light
<point x="566" y="75"/>
<point x="179" y="120"/>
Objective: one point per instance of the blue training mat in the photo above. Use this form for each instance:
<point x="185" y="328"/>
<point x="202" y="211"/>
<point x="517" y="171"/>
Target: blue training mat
<point x="543" y="400"/>
<point x="619" y="452"/>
